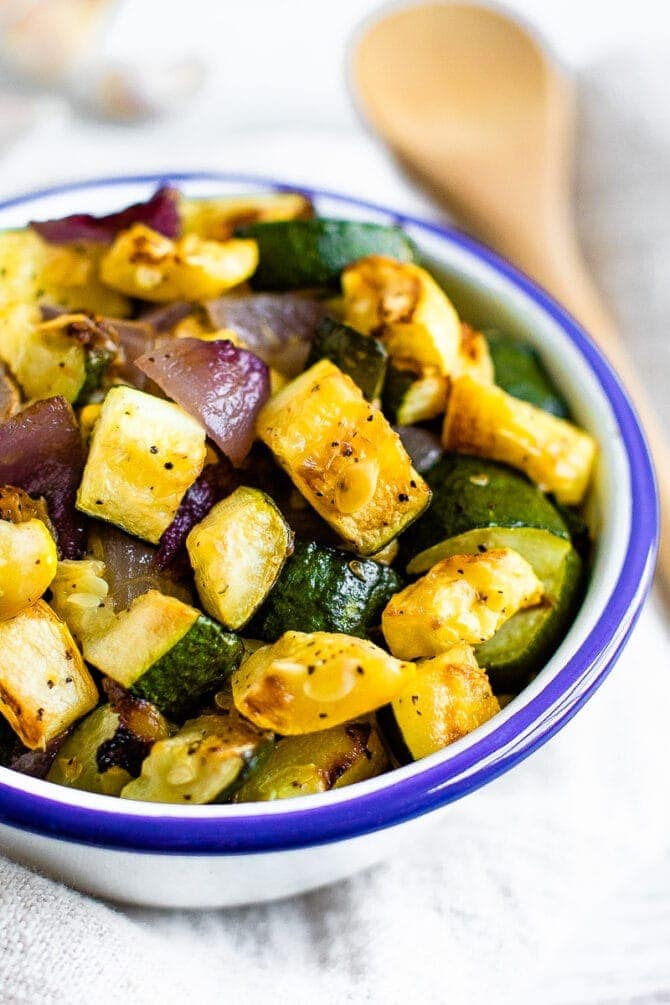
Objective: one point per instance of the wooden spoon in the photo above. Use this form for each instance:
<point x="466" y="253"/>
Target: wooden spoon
<point x="471" y="104"/>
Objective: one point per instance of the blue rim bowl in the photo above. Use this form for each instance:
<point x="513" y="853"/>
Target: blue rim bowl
<point x="620" y="580"/>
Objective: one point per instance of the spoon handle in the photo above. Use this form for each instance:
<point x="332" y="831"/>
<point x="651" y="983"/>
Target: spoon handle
<point x="566" y="276"/>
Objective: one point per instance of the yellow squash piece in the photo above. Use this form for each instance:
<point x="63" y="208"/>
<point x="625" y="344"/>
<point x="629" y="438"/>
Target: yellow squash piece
<point x="449" y="697"/>
<point x="343" y="456"/>
<point x="216" y="219"/>
<point x="464" y="598"/>
<point x="80" y="596"/>
<point x="44" y="683"/>
<point x="305" y="682"/>
<point x="237" y="553"/>
<point x="488" y="422"/>
<point x="401" y="304"/>
<point x="144" y="454"/>
<point x="28" y="561"/>
<point x="474" y="358"/>
<point x="317" y="762"/>
<point x="143" y="263"/>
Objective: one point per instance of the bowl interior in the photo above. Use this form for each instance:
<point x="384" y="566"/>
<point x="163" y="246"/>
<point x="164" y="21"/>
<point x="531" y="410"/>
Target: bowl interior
<point x="487" y="292"/>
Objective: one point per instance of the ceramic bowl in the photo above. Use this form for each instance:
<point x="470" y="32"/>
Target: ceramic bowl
<point x="206" y="856"/>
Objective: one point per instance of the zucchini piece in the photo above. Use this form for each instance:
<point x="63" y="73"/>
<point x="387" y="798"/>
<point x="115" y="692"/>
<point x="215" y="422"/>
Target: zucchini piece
<point x="143" y="263"/>
<point x="299" y="254"/>
<point x="343" y="456"/>
<point x="216" y="219"/>
<point x="402" y="304"/>
<point x="28" y="561"/>
<point x="488" y="422"/>
<point x="76" y="763"/>
<point x="322" y="589"/>
<point x="204" y="763"/>
<point x="165" y="651"/>
<point x="518" y="370"/>
<point x="44" y="683"/>
<point x="79" y="595"/>
<point x="524" y="643"/>
<point x="449" y="697"/>
<point x="317" y="762"/>
<point x="144" y="454"/>
<point x="469" y="492"/>
<point x="463" y="598"/>
<point x="411" y="397"/>
<point x="237" y="553"/>
<point x="305" y="682"/>
<point x="362" y="358"/>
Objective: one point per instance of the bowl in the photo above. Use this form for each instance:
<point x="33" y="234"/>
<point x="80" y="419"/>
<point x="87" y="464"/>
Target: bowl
<point x="211" y="856"/>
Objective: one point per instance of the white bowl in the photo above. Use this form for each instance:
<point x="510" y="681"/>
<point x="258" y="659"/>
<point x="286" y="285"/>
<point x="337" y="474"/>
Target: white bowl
<point x="207" y="856"/>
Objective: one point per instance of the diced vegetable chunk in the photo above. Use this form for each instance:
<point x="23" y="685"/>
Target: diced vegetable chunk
<point x="27" y="564"/>
<point x="237" y="553"/>
<point x="305" y="682"/>
<point x="79" y="595"/>
<point x="464" y="598"/>
<point x="474" y="357"/>
<point x="143" y="263"/>
<point x="411" y="397"/>
<point x="166" y="651"/>
<point x="44" y="684"/>
<point x="448" y="698"/>
<point x="324" y="589"/>
<point x="488" y="422"/>
<point x="402" y="304"/>
<point x="343" y="456"/>
<point x="144" y="454"/>
<point x="362" y="358"/>
<point x="317" y="762"/>
<point x="203" y="763"/>
<point x="76" y="764"/>
<point x="216" y="219"/>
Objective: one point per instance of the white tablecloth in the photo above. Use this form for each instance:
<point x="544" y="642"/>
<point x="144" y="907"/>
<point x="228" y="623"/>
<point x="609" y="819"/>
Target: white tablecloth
<point x="553" y="884"/>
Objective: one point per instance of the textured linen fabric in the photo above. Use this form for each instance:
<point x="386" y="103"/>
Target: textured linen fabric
<point x="551" y="885"/>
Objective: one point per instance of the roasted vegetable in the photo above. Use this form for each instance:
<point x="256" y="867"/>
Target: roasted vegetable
<point x="488" y="422"/>
<point x="204" y="763"/>
<point x="165" y="651"/>
<point x="143" y="263"/>
<point x="470" y="492"/>
<point x="216" y="219"/>
<point x="222" y="385"/>
<point x="524" y="643"/>
<point x="317" y="762"/>
<point x="362" y="358"/>
<point x="144" y="454"/>
<point x="41" y="452"/>
<point x="237" y="553"/>
<point x="76" y="764"/>
<point x="322" y="589"/>
<point x="44" y="684"/>
<point x="79" y="595"/>
<point x="161" y="212"/>
<point x="304" y="254"/>
<point x="411" y="397"/>
<point x="518" y="370"/>
<point x="10" y="396"/>
<point x="305" y="682"/>
<point x="448" y="698"/>
<point x="403" y="305"/>
<point x="344" y="457"/>
<point x="474" y="357"/>
<point x="27" y="564"/>
<point x="464" y="598"/>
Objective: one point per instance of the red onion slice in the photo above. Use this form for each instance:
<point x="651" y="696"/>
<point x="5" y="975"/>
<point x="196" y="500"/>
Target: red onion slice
<point x="215" y="483"/>
<point x="41" y="452"/>
<point x="222" y="386"/>
<point x="423" y="447"/>
<point x="160" y="212"/>
<point x="278" y="327"/>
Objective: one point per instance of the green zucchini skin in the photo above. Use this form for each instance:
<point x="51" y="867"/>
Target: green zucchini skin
<point x="95" y="367"/>
<point x="295" y="254"/>
<point x="200" y="662"/>
<point x="519" y="371"/>
<point x="393" y="738"/>
<point x="397" y="385"/>
<point x="470" y="492"/>
<point x="322" y="589"/>
<point x="361" y="357"/>
<point x="522" y="646"/>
